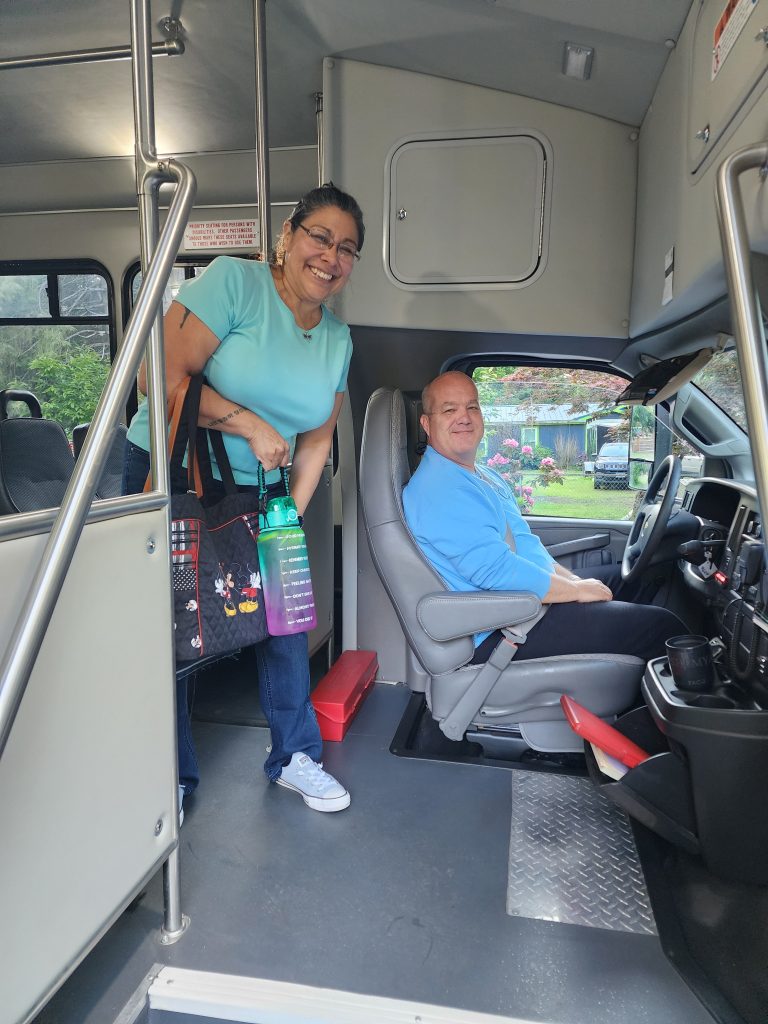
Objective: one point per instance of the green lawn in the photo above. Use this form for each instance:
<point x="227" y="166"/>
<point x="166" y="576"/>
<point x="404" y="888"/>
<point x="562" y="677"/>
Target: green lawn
<point x="578" y="498"/>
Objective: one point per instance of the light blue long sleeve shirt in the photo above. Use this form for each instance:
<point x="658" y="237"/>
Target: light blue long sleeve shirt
<point x="461" y="521"/>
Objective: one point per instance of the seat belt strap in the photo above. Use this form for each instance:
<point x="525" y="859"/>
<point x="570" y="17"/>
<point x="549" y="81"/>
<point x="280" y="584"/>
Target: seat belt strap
<point x="459" y="718"/>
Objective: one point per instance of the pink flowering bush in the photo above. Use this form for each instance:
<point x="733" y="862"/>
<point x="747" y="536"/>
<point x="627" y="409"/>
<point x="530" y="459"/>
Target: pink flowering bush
<point x="512" y="468"/>
<point x="498" y="460"/>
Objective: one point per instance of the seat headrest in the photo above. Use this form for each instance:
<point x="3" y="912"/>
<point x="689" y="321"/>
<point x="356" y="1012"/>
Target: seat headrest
<point x="384" y="471"/>
<point x="404" y="571"/>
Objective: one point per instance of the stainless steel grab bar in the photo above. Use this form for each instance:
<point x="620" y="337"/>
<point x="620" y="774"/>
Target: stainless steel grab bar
<point x="262" y="130"/>
<point x="745" y="305"/>
<point x="44" y="589"/>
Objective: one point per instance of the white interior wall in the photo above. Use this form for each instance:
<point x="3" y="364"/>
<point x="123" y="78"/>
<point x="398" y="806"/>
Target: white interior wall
<point x="585" y="287"/>
<point x="676" y="208"/>
<point x="87" y="780"/>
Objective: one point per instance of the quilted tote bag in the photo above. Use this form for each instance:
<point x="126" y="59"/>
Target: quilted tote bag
<point x="217" y="596"/>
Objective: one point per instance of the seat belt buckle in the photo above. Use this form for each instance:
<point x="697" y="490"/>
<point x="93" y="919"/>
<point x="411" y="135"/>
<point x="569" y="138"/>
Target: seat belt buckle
<point x="512" y="637"/>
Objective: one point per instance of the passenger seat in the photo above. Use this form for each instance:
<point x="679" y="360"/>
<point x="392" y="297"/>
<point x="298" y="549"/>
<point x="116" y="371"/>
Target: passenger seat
<point x="111" y="480"/>
<point x="36" y="460"/>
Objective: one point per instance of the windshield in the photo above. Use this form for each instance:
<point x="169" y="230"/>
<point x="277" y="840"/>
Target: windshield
<point x="617" y="451"/>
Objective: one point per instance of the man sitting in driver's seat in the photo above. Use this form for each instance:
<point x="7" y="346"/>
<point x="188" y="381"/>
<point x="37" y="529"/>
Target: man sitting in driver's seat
<point x="466" y="521"/>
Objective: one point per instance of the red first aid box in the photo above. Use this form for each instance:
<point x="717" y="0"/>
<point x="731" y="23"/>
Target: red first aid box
<point x="342" y="690"/>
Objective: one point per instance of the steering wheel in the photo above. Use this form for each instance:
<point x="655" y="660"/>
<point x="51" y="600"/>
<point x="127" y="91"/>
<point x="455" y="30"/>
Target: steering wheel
<point x="652" y="518"/>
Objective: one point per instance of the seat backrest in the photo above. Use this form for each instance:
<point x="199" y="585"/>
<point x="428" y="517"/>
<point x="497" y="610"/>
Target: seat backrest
<point x="36" y="463"/>
<point x="111" y="479"/>
<point x="406" y="574"/>
<point x="78" y="437"/>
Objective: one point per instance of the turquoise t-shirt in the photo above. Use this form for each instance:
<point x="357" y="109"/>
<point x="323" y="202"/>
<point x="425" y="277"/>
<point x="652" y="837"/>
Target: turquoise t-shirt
<point x="264" y="362"/>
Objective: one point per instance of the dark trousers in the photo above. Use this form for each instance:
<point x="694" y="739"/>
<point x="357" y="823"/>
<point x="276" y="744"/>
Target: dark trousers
<point x="620" y="626"/>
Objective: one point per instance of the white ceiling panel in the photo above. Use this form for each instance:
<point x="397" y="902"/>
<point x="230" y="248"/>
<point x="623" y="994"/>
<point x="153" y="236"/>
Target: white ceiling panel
<point x="205" y="98"/>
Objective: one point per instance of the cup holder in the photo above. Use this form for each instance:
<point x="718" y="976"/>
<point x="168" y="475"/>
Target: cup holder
<point x="708" y="700"/>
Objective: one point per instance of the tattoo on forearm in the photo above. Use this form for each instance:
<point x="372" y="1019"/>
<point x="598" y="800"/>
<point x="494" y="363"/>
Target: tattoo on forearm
<point x="223" y="419"/>
<point x="184" y="318"/>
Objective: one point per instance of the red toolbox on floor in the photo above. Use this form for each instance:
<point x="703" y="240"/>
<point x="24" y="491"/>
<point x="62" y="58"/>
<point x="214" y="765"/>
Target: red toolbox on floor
<point x="342" y="690"/>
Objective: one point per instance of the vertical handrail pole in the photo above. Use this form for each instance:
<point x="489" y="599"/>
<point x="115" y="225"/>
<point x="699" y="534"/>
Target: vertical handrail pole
<point x="262" y="132"/>
<point x="147" y="186"/>
<point x="148" y="181"/>
<point x="745" y="305"/>
<point x="320" y="142"/>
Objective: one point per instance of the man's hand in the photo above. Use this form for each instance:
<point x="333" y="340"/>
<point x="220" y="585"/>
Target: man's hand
<point x="592" y="590"/>
<point x="563" y="590"/>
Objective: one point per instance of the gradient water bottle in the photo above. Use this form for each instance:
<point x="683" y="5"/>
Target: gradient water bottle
<point x="286" y="582"/>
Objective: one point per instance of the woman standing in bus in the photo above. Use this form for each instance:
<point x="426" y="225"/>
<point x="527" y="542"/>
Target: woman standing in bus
<point x="276" y="361"/>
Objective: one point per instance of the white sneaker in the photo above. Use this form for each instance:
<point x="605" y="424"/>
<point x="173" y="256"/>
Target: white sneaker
<point x="181" y="806"/>
<point x="319" y="790"/>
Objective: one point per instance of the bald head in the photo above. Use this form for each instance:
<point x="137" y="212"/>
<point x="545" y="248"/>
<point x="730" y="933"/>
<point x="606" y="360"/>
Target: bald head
<point x="451" y="417"/>
<point x="435" y="387"/>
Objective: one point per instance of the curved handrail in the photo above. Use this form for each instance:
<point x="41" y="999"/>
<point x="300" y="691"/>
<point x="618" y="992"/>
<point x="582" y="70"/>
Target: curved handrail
<point x="745" y="305"/>
<point x="36" y="611"/>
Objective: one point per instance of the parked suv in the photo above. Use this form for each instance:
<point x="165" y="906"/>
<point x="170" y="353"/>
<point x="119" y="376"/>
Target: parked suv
<point x="612" y="466"/>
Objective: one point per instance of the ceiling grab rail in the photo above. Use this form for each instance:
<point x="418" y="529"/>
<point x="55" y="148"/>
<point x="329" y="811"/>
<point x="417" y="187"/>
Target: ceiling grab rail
<point x="172" y="45"/>
<point x="745" y="304"/>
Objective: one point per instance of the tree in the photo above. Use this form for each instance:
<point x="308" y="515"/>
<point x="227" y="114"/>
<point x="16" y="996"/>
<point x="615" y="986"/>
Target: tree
<point x="579" y="390"/>
<point x="720" y="379"/>
<point x="69" y="391"/>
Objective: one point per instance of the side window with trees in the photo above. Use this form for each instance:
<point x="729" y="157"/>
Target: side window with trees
<point x="559" y="439"/>
<point x="56" y="336"/>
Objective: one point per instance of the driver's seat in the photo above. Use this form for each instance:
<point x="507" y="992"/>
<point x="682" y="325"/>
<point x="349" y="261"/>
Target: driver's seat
<point x="524" y="698"/>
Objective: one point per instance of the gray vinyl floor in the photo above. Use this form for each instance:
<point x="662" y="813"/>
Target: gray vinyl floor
<point x="403" y="895"/>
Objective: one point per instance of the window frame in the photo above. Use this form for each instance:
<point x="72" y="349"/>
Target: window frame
<point x="134" y="269"/>
<point x="52" y="270"/>
<point x="189" y="263"/>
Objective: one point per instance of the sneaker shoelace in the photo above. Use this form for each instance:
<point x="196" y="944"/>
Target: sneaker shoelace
<point x="314" y="774"/>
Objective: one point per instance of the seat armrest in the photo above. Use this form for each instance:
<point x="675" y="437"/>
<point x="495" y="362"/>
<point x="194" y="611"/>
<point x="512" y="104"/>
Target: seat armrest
<point x="449" y="615"/>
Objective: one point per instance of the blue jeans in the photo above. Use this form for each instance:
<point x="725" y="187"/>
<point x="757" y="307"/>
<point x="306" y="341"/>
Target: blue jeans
<point x="283" y="677"/>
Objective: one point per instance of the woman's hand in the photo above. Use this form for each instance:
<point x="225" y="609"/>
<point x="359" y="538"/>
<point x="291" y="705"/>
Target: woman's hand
<point x="269" y="447"/>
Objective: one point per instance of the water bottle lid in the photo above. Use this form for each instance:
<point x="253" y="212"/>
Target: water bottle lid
<point x="281" y="512"/>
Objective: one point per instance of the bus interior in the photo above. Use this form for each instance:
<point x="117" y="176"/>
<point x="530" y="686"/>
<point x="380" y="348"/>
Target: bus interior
<point x="565" y="200"/>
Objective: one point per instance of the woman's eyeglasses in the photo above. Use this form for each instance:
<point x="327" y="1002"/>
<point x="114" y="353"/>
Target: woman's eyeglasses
<point x="324" y="240"/>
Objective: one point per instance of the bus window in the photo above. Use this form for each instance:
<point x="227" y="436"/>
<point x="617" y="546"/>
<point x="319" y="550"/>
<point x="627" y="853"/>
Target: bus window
<point x="180" y="273"/>
<point x="56" y="335"/>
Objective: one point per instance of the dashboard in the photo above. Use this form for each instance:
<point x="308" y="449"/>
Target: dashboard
<point x="732" y="578"/>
